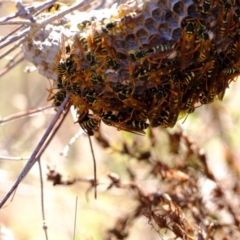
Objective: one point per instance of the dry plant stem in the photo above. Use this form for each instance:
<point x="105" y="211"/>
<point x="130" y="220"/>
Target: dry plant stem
<point x="28" y="113"/>
<point x="62" y="14"/>
<point x="13" y="58"/>
<point x="25" y="22"/>
<point x="30" y="31"/>
<point x="14" y="158"/>
<point x="94" y="167"/>
<point x="75" y="218"/>
<point x="29" y="10"/>
<point x="35" y="153"/>
<point x="11" y="49"/>
<point x="10" y="34"/>
<point x="64" y="153"/>
<point x="12" y="40"/>
<point x="59" y="123"/>
<point x="42" y="199"/>
<point x="11" y="65"/>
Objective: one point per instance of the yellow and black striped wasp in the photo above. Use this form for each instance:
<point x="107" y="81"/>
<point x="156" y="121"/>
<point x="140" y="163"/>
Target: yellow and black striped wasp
<point x="89" y="124"/>
<point x="133" y="126"/>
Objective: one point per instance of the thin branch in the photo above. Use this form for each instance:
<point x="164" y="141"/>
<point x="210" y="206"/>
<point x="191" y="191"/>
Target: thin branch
<point x="18" y="22"/>
<point x="10" y="34"/>
<point x="39" y="24"/>
<point x="64" y="153"/>
<point x="59" y="123"/>
<point x="94" y="167"/>
<point x="11" y="65"/>
<point x="35" y="153"/>
<point x="24" y="114"/>
<point x="14" y="158"/>
<point x="62" y="13"/>
<point x="12" y="40"/>
<point x="42" y="199"/>
<point x="24" y="12"/>
<point x="75" y="218"/>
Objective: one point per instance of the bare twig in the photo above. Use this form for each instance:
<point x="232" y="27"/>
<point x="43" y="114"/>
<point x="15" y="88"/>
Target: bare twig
<point x="94" y="167"/>
<point x="14" y="158"/>
<point x="35" y="153"/>
<point x="75" y="218"/>
<point x="42" y="199"/>
<point x="24" y="114"/>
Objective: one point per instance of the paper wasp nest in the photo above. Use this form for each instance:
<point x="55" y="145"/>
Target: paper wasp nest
<point x="141" y="65"/>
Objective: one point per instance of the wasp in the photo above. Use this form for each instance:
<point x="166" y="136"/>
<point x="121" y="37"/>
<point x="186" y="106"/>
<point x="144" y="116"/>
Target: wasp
<point x="89" y="124"/>
<point x="65" y="68"/>
<point x="81" y="26"/>
<point x="140" y="73"/>
<point x="225" y="17"/>
<point x="229" y="71"/>
<point x="176" y="93"/>
<point x="206" y="72"/>
<point x="97" y="40"/>
<point x="161" y="48"/>
<point x="60" y="83"/>
<point x="125" y="97"/>
<point x="159" y="96"/>
<point x="223" y="25"/>
<point x="173" y="118"/>
<point x="209" y="67"/>
<point x="135" y="55"/>
<point x="227" y="4"/>
<point x="108" y="25"/>
<point x="155" y="74"/>
<point x="234" y="48"/>
<point x="132" y="126"/>
<point x="189" y="27"/>
<point x="160" y="53"/>
<point x="205" y="47"/>
<point x="90" y="58"/>
<point x="111" y="62"/>
<point x="83" y="41"/>
<point x="129" y="17"/>
<point x="98" y="103"/>
<point x="191" y="97"/>
<point x="96" y="78"/>
<point x="236" y="16"/>
<point x="189" y="104"/>
<point x="59" y="98"/>
<point x="129" y="21"/>
<point x="162" y="119"/>
<point x="175" y="100"/>
<point x="89" y="96"/>
<point x="204" y="8"/>
<point x="188" y="77"/>
<point x="204" y="99"/>
<point x="56" y="7"/>
<point x="75" y="87"/>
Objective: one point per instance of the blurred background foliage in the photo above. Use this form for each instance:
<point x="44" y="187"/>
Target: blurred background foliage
<point x="215" y="128"/>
